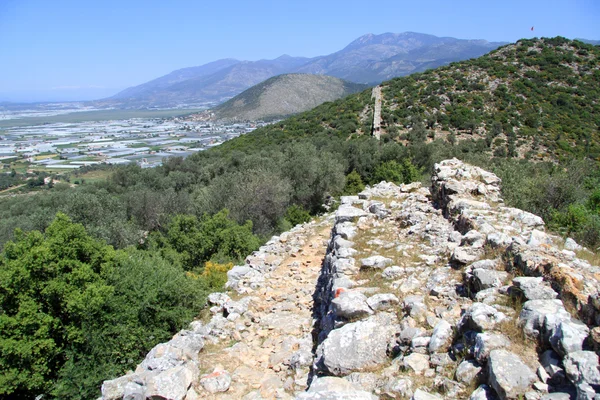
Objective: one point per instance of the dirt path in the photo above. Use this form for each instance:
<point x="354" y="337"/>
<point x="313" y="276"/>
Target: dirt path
<point x="377" y="112"/>
<point x="269" y="357"/>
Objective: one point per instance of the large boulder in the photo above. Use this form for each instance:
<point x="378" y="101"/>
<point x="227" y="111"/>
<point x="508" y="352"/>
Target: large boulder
<point x="540" y="317"/>
<point x="532" y="288"/>
<point x="357" y="346"/>
<point x="508" y="375"/>
<point x="569" y="336"/>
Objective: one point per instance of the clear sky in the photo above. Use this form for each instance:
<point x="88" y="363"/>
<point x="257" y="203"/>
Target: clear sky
<point x="51" y="49"/>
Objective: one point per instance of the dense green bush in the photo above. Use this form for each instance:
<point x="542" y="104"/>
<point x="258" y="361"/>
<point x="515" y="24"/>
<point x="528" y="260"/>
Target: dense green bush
<point x="75" y="311"/>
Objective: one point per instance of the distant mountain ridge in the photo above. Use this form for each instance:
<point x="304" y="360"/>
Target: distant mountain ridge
<point x="369" y="59"/>
<point x="284" y="95"/>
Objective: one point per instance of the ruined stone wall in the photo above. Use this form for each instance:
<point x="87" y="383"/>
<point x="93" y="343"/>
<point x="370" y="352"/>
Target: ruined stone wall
<point x="404" y="292"/>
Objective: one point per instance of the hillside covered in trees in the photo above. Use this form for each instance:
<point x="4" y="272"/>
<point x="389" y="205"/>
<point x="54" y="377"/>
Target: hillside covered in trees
<point x="73" y="270"/>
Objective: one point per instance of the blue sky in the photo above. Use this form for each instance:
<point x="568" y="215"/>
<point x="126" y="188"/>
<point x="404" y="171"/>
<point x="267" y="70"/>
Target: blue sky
<point x="61" y="48"/>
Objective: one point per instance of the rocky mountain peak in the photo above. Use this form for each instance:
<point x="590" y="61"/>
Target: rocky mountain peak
<point x="404" y="292"/>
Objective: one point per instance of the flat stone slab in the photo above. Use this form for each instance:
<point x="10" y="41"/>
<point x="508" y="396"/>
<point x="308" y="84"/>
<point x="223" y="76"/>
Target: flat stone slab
<point x="508" y="375"/>
<point x="357" y="346"/>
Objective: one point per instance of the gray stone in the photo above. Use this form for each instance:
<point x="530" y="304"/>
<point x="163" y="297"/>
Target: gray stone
<point x="419" y="363"/>
<point x="134" y="391"/>
<point x="401" y="387"/>
<point x="367" y="381"/>
<point x="333" y="388"/>
<point x="162" y="357"/>
<point x="508" y="375"/>
<point x="357" y="346"/>
<point x="572" y="245"/>
<point x="485" y="279"/>
<point x="341" y="243"/>
<point x="556" y="396"/>
<point x="189" y="342"/>
<point x="464" y="255"/>
<point x="539" y="317"/>
<point x="441" y="338"/>
<point x="486" y="342"/>
<point x="375" y="262"/>
<point x="217" y="381"/>
<point x="483" y="392"/>
<point x="569" y="336"/>
<point x="344" y="266"/>
<point x="532" y="288"/>
<point x="241" y="271"/>
<point x="218" y="299"/>
<point x="551" y="363"/>
<point x="351" y="304"/>
<point x="419" y="344"/>
<point x="348" y="213"/>
<point x="407" y="334"/>
<point x="582" y="366"/>
<point x="480" y="317"/>
<point x="484" y="264"/>
<point x="347" y="230"/>
<point x="392" y="272"/>
<point x="382" y="301"/>
<point x="113" y="389"/>
<point x="467" y="371"/>
<point x="172" y="383"/>
<point x="423" y="395"/>
<point x="499" y="240"/>
<point x="538" y="238"/>
<point x="586" y="392"/>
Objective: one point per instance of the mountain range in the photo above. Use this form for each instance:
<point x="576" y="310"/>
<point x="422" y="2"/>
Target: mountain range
<point x="369" y="59"/>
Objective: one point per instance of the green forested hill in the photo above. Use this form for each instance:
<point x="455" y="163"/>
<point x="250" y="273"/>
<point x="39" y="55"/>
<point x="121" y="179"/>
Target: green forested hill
<point x="528" y="112"/>
<point x="537" y="98"/>
<point x="285" y="95"/>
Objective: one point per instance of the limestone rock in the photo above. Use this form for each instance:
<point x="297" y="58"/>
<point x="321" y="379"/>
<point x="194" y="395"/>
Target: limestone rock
<point x="382" y="301"/>
<point x="467" y="371"/>
<point x="351" y="304"/>
<point x="483" y="392"/>
<point x="217" y="381"/>
<point x="357" y="346"/>
<point x="333" y="388"/>
<point x="485" y="279"/>
<point x="569" y="336"/>
<point x="423" y="395"/>
<point x="416" y="362"/>
<point x="375" y="262"/>
<point x="400" y="387"/>
<point x="486" y="342"/>
<point x="348" y="213"/>
<point x="481" y="317"/>
<point x="508" y="375"/>
<point x="541" y="316"/>
<point x="582" y="366"/>
<point x="172" y="383"/>
<point x="113" y="389"/>
<point x="533" y="288"/>
<point x="441" y="338"/>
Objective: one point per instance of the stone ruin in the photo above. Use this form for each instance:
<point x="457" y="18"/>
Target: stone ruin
<point x="404" y="292"/>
